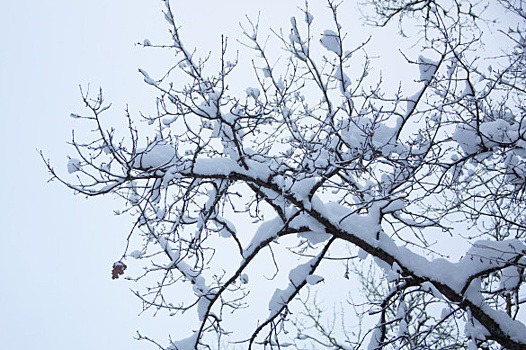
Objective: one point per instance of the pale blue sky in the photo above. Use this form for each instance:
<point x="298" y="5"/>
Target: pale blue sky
<point x="57" y="249"/>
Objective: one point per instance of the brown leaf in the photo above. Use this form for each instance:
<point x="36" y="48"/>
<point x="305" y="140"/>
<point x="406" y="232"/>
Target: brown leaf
<point x="118" y="269"/>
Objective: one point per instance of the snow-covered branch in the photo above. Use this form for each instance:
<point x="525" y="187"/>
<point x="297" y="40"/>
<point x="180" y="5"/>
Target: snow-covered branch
<point x="274" y="177"/>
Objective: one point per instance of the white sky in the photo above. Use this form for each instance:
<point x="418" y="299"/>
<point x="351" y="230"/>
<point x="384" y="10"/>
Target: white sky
<point x="57" y="249"/>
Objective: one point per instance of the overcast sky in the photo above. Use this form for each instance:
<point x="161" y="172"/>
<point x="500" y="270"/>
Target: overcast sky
<point x="57" y="249"/>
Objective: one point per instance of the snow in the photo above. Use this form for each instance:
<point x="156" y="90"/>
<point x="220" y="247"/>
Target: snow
<point x="376" y="336"/>
<point x="411" y="103"/>
<point x="158" y="154"/>
<point x="297" y="277"/>
<point x="515" y="329"/>
<point x="265" y="231"/>
<point x="308" y="17"/>
<point x="136" y="254"/>
<point x="216" y="166"/>
<point x="225" y="232"/>
<point x="468" y="91"/>
<point x="384" y="134"/>
<point x="392" y="276"/>
<point x="472" y="345"/>
<point x="474" y="330"/>
<point x="185" y="344"/>
<point x="267" y="72"/>
<point x="199" y="285"/>
<point x="281" y="85"/>
<point x="402" y="328"/>
<point x="168" y="16"/>
<point x="160" y="212"/>
<point x="165" y="245"/>
<point x="344" y="79"/>
<point x="427" y="68"/>
<point x="302" y="188"/>
<point x="73" y="165"/>
<point x="208" y="108"/>
<point x="510" y="279"/>
<point x="364" y="226"/>
<point x="401" y="310"/>
<point x="498" y="131"/>
<point x="315" y="237"/>
<point x="168" y="120"/>
<point x="331" y="41"/>
<point x="362" y="254"/>
<point x="317" y="233"/>
<point x="363" y="129"/>
<point x="278" y="300"/>
<point x="314" y="279"/>
<point x="133" y="196"/>
<point x="147" y="78"/>
<point x="253" y="92"/>
<point x="173" y="173"/>
<point x="484" y="255"/>
<point x="467" y="138"/>
<point x="395" y="205"/>
<point x="294" y="35"/>
<point x="445" y="313"/>
<point x="430" y="288"/>
<point x="202" y="306"/>
<point x="487" y="254"/>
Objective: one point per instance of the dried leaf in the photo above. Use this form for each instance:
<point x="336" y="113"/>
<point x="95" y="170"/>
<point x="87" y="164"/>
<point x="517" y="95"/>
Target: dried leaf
<point x="118" y="269"/>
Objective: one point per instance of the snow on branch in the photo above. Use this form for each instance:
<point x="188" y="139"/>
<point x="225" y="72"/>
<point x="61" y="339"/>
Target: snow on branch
<point x="247" y="193"/>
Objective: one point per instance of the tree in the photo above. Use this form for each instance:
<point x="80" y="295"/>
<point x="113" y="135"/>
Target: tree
<point x="317" y="159"/>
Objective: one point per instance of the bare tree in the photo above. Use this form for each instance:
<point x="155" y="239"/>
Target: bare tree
<point x="316" y="156"/>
